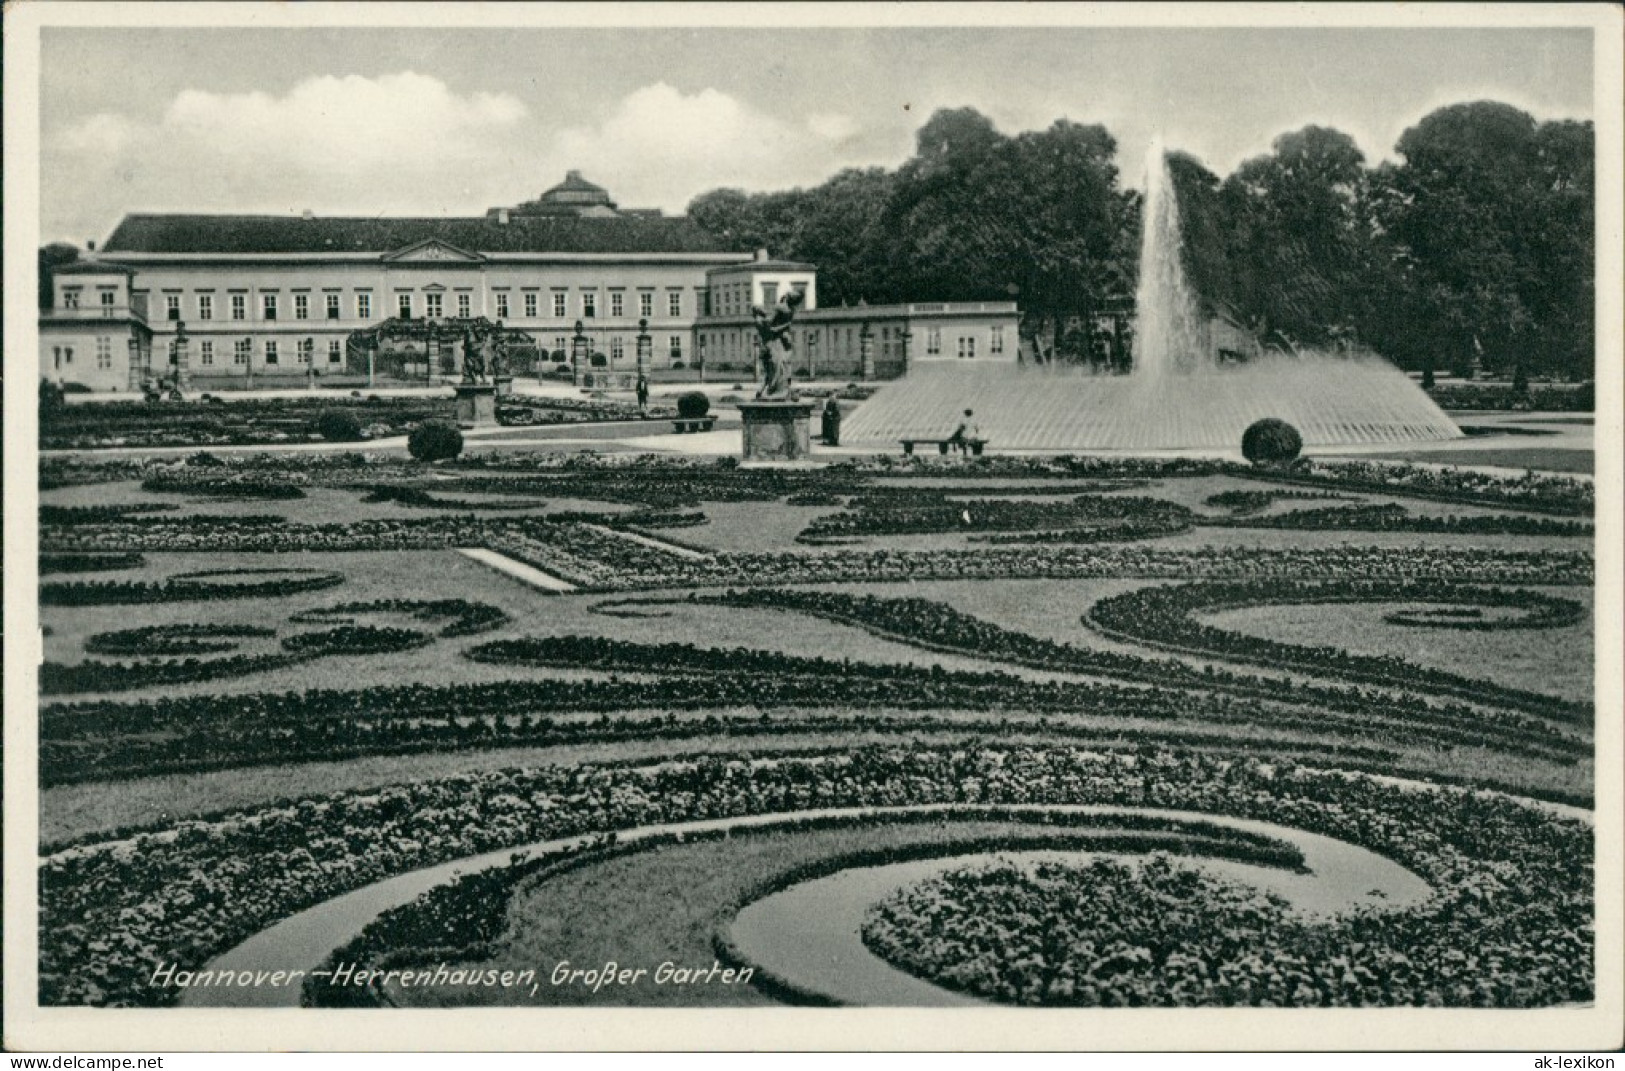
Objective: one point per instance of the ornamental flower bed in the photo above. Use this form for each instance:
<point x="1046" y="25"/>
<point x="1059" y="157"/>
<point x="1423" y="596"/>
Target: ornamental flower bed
<point x="188" y="587"/>
<point x="173" y="639"/>
<point x="67" y="516"/>
<point x="89" y="563"/>
<point x="460" y="617"/>
<point x="225" y="421"/>
<point x="1164" y="617"/>
<point x="1510" y="923"/>
<point x="188" y="481"/>
<point x="1087" y="516"/>
<point x="1392" y="517"/>
<point x="105" y="739"/>
<point x="1578" y="398"/>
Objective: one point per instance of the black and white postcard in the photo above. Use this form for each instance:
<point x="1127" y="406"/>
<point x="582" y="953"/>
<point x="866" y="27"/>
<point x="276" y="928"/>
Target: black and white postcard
<point x="1042" y="526"/>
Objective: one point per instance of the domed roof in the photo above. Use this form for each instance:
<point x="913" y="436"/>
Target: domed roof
<point x="575" y="190"/>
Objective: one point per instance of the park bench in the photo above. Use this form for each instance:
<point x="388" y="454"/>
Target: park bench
<point x="973" y="445"/>
<point x="684" y="425"/>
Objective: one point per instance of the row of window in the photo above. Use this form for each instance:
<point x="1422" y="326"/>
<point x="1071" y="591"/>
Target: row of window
<point x="109" y="301"/>
<point x="63" y="355"/>
<point x="434" y="304"/>
<point x="966" y="343"/>
<point x="733" y="299"/>
<point x="305" y="350"/>
<point x="848" y="340"/>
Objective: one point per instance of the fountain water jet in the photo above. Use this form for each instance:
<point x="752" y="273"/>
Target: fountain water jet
<point x="1178" y="397"/>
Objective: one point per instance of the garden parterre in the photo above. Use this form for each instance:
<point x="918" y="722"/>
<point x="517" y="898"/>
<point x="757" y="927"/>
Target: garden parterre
<point x="1213" y="718"/>
<point x="1512" y="882"/>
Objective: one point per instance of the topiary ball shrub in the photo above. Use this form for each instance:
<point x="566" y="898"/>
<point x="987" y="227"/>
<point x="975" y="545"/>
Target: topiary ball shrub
<point x="691" y="405"/>
<point x="1271" y="442"/>
<point x="435" y="440"/>
<point x="339" y="426"/>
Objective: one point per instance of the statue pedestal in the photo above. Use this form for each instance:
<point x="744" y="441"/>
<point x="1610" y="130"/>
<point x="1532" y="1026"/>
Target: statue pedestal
<point x="776" y="430"/>
<point x="476" y="405"/>
<point x="503" y="384"/>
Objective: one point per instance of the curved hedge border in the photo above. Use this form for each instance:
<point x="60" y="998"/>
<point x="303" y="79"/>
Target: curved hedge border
<point x="416" y="496"/>
<point x="89" y="563"/>
<point x="462" y="921"/>
<point x="356" y="639"/>
<point x="1392" y="517"/>
<point x="187" y="481"/>
<point x="94" y="675"/>
<point x="1093" y="518"/>
<point x="173" y="639"/>
<point x="108" y="740"/>
<point x="1514" y="884"/>
<point x="50" y="514"/>
<point x="1161" y="616"/>
<point x="461" y="617"/>
<point x="1243" y="503"/>
<point x="935" y="626"/>
<point x="187" y="587"/>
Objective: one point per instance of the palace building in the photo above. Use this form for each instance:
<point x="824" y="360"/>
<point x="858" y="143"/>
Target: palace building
<point x="237" y="301"/>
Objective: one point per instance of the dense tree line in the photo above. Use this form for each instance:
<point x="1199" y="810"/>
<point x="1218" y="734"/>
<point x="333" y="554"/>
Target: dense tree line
<point x="1474" y="247"/>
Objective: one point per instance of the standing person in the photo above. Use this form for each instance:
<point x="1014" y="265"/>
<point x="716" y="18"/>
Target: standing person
<point x="643" y="393"/>
<point x="832" y="421"/>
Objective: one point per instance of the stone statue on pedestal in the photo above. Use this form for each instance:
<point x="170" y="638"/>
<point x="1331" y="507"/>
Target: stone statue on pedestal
<point x="473" y="359"/>
<point x="773" y="329"/>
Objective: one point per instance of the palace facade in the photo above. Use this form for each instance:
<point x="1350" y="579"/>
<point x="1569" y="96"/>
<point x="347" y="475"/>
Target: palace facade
<point x="226" y="301"/>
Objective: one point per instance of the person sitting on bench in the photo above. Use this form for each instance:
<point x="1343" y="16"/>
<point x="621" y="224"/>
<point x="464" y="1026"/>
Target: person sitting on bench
<point x="965" y="434"/>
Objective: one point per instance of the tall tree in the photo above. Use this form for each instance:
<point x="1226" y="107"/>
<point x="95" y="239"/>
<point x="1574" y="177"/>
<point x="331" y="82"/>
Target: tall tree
<point x="1300" y="233"/>
<point x="1495" y="211"/>
<point x="51" y="257"/>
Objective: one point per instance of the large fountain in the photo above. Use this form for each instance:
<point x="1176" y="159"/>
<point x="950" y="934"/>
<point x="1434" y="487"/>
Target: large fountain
<point x="1177" y="397"/>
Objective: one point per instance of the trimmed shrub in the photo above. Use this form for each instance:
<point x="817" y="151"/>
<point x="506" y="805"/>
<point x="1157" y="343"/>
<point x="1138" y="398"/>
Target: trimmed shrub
<point x="434" y="441"/>
<point x="691" y="405"/>
<point x="339" y="426"/>
<point x="1271" y="442"/>
<point x="50" y="397"/>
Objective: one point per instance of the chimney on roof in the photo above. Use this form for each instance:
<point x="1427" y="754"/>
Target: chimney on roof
<point x="761" y="256"/>
<point x="502" y="216"/>
<point x="572" y="175"/>
<point x="90" y="245"/>
<point x="307" y="214"/>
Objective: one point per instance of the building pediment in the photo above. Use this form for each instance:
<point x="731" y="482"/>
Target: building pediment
<point x="432" y="251"/>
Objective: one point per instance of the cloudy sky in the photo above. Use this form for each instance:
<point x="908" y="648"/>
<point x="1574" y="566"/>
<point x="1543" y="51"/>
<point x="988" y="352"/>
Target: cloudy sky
<point x="431" y="122"/>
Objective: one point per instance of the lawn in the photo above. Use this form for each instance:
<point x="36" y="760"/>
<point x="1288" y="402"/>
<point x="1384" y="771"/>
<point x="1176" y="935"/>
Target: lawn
<point x="1554" y="660"/>
<point x="667" y="904"/>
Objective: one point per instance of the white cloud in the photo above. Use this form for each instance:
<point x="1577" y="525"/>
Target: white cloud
<point x="408" y="143"/>
<point x="351" y="123"/>
<point x="660" y="147"/>
<point x="832" y="126"/>
<point x="398" y="143"/>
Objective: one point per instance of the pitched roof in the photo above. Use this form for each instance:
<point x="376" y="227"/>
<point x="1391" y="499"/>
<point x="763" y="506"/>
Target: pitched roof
<point x="763" y="265"/>
<point x="154" y="233"/>
<point x="92" y="267"/>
